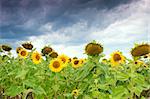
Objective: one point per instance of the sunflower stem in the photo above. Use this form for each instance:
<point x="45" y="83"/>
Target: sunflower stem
<point x="55" y="95"/>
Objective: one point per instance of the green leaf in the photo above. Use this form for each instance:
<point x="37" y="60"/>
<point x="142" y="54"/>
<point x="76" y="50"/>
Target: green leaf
<point x="99" y="95"/>
<point x="87" y="97"/>
<point x="21" y="74"/>
<point x="39" y="90"/>
<point x="67" y="94"/>
<point x="14" y="90"/>
<point x="138" y="90"/>
<point x="140" y="80"/>
<point x="122" y="76"/>
<point x="96" y="94"/>
<point x="29" y="83"/>
<point x="103" y="86"/>
<point x="119" y="91"/>
<point x="55" y="87"/>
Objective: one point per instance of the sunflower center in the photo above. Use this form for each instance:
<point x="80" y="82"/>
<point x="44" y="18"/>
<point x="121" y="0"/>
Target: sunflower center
<point x="56" y="64"/>
<point x="37" y="57"/>
<point x="23" y="53"/>
<point x="76" y="62"/>
<point x="63" y="59"/>
<point x="75" y="93"/>
<point x="117" y="57"/>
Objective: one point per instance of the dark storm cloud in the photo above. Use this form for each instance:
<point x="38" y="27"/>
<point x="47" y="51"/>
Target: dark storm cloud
<point x="23" y="18"/>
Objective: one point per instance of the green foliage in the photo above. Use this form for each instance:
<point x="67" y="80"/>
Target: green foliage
<point x="93" y="80"/>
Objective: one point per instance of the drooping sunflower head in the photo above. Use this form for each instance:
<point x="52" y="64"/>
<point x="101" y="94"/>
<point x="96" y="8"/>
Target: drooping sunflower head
<point x="6" y="48"/>
<point x="64" y="59"/>
<point x="56" y="65"/>
<point x="53" y="54"/>
<point x="93" y="49"/>
<point x="36" y="57"/>
<point x="117" y="58"/>
<point x="46" y="50"/>
<point x="27" y="46"/>
<point x="23" y="53"/>
<point x="18" y="49"/>
<point x="140" y="50"/>
<point x="75" y="93"/>
<point x="76" y="63"/>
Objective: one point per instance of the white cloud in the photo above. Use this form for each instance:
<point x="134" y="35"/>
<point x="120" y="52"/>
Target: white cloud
<point x="118" y="28"/>
<point x="126" y="31"/>
<point x="59" y="39"/>
<point x="71" y="51"/>
<point x="46" y="28"/>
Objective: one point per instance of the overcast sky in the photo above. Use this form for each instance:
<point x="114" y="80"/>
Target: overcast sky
<point x="68" y="25"/>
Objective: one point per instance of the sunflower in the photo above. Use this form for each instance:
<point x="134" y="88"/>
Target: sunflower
<point x="82" y="60"/>
<point x="46" y="50"/>
<point x="75" y="93"/>
<point x="93" y="49"/>
<point x="140" y="50"/>
<point x="53" y="54"/>
<point x="56" y="65"/>
<point x="139" y="63"/>
<point x="18" y="49"/>
<point x="76" y="63"/>
<point x="6" y="48"/>
<point x="23" y="53"/>
<point x="117" y="58"/>
<point x="28" y="46"/>
<point x="36" y="57"/>
<point x="64" y="59"/>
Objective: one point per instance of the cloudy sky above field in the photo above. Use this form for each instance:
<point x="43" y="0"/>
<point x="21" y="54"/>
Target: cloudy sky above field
<point x="68" y="25"/>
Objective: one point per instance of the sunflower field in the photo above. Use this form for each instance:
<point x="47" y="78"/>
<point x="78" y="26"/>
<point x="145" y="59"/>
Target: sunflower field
<point x="49" y="75"/>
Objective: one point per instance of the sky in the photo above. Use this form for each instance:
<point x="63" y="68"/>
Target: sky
<point x="68" y="25"/>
